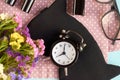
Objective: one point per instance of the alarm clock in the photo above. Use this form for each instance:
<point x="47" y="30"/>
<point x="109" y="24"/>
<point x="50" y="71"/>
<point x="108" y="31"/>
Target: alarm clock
<point x="65" y="51"/>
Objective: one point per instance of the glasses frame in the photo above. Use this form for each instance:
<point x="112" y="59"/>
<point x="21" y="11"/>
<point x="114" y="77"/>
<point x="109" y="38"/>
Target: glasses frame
<point x="113" y="9"/>
<point x="105" y="2"/>
<point x="116" y="35"/>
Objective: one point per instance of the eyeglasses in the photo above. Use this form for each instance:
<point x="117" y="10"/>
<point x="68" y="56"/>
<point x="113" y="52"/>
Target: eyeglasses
<point x="110" y="21"/>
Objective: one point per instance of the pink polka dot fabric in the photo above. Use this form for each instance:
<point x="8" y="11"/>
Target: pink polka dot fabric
<point x="91" y="20"/>
<point x="44" y="69"/>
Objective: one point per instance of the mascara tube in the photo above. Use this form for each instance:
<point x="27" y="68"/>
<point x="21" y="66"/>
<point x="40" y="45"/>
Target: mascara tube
<point x="78" y="7"/>
<point x="27" y="5"/>
<point x="10" y="2"/>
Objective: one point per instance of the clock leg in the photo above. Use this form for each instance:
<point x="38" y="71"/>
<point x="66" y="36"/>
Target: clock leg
<point x="66" y="71"/>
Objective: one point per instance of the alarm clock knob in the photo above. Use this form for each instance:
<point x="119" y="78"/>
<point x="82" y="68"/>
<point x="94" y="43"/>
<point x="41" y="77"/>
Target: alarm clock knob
<point x="64" y="34"/>
<point x="64" y="31"/>
<point x="82" y="45"/>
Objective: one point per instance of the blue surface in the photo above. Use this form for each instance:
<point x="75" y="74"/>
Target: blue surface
<point x="118" y="5"/>
<point x="114" y="59"/>
<point x="116" y="78"/>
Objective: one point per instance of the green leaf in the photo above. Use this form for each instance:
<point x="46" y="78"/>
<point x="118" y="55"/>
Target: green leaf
<point x="3" y="44"/>
<point x="1" y="78"/>
<point x="26" y="49"/>
<point x="3" y="58"/>
<point x="9" y="26"/>
<point x="5" y="22"/>
<point x="8" y="78"/>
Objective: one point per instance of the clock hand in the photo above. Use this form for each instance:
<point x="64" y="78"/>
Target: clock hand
<point x="64" y="48"/>
<point x="60" y="55"/>
<point x="67" y="56"/>
<point x="63" y="53"/>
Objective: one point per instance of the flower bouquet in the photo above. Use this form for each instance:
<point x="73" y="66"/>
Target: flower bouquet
<point x="17" y="50"/>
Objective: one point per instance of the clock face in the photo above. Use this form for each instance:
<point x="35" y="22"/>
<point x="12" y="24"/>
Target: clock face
<point x="63" y="53"/>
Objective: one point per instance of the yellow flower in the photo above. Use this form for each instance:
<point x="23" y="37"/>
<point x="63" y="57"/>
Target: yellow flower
<point x="20" y="40"/>
<point x="15" y="45"/>
<point x="15" y="40"/>
<point x="16" y="37"/>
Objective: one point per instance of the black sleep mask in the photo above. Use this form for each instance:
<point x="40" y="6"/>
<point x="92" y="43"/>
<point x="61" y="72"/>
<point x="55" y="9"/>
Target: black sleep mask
<point x="91" y="64"/>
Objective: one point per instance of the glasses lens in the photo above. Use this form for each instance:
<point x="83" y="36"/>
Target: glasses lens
<point x="110" y="24"/>
<point x="104" y="1"/>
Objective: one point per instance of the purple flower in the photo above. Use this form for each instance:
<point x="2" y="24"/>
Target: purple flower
<point x="36" y="51"/>
<point x="18" y="54"/>
<point x="10" y="53"/>
<point x="41" y="46"/>
<point x="33" y="64"/>
<point x="36" y="59"/>
<point x="25" y="31"/>
<point x="18" y="58"/>
<point x="15" y="77"/>
<point x="22" y="64"/>
<point x="30" y="41"/>
<point x="19" y="77"/>
<point x="12" y="75"/>
<point x="27" y="58"/>
<point x="18" y="19"/>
